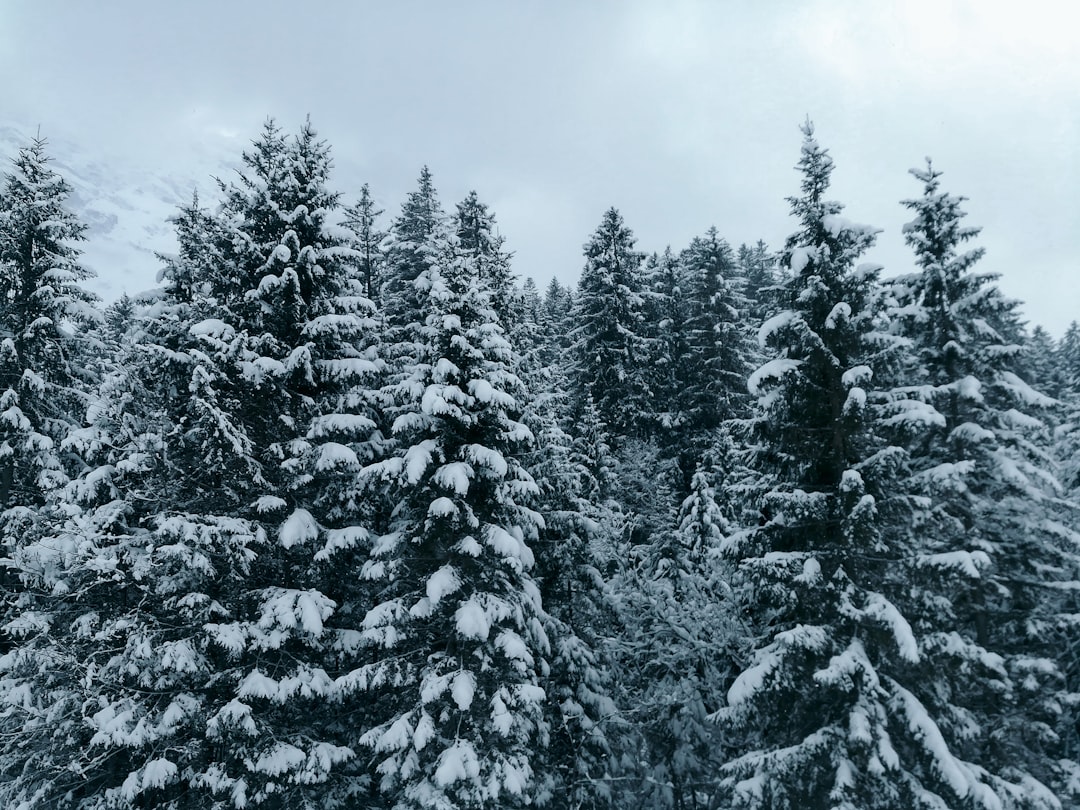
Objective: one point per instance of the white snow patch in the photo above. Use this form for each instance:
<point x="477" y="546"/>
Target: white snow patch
<point x="774" y="325"/>
<point x="299" y="528"/>
<point x="772" y="370"/>
<point x="463" y="689"/>
<point x="840" y="312"/>
<point x="456" y="763"/>
<point x="455" y="477"/>
<point x="442" y="583"/>
<point x="471" y="621"/>
<point x="856" y="375"/>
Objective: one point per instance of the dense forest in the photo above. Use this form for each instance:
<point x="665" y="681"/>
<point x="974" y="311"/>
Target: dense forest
<point x="345" y="515"/>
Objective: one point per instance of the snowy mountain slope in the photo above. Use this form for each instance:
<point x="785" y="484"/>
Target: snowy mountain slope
<point x="125" y="205"/>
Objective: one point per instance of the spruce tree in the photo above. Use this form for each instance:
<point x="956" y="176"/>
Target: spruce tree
<point x="418" y="241"/>
<point x="608" y="349"/>
<point x="843" y="703"/>
<point x="44" y="316"/>
<point x="197" y="630"/>
<point x="989" y="466"/>
<point x="362" y="220"/>
<point x="719" y="347"/>
<point x="458" y="632"/>
<point x="474" y="226"/>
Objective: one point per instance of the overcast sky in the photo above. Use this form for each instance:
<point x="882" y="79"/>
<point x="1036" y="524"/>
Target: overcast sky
<point x="681" y="114"/>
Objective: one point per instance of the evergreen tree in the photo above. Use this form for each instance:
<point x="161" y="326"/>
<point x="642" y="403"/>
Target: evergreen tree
<point x="44" y="316"/>
<point x="678" y="644"/>
<point x="190" y="661"/>
<point x="1041" y="368"/>
<point x="757" y="266"/>
<point x="719" y="348"/>
<point x="608" y="348"/>
<point x="842" y="704"/>
<point x="664" y="315"/>
<point x="362" y="220"/>
<point x="418" y="241"/>
<point x="989" y="467"/>
<point x="459" y="629"/>
<point x="474" y="226"/>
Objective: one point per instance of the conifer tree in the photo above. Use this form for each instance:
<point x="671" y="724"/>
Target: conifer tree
<point x="44" y="315"/>
<point x="664" y="315"/>
<point x="608" y="348"/>
<point x="757" y="266"/>
<point x="459" y="629"/>
<point x="418" y="241"/>
<point x="197" y="638"/>
<point x="362" y="220"/>
<point x="843" y="703"/>
<point x="678" y="645"/>
<point x="474" y="226"/>
<point x="989" y="466"/>
<point x="719" y="348"/>
<point x="46" y="369"/>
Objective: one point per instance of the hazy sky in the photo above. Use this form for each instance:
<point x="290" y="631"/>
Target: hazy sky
<point x="681" y="114"/>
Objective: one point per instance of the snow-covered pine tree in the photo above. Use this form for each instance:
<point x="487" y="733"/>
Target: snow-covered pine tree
<point x="418" y="241"/>
<point x="474" y="226"/>
<point x="757" y="266"/>
<point x="609" y="350"/>
<point x="198" y="629"/>
<point x="664" y="325"/>
<point x="719" y="344"/>
<point x="842" y="705"/>
<point x="989" y="466"/>
<point x="458" y="631"/>
<point x="581" y="758"/>
<point x="677" y="648"/>
<point x="44" y="316"/>
<point x="368" y="240"/>
<point x="1041" y="369"/>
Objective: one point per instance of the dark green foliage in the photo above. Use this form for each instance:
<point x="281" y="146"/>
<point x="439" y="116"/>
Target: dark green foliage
<point x="609" y="349"/>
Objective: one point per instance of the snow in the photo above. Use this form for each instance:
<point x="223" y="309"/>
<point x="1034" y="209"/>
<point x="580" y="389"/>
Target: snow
<point x="913" y="414"/>
<point x="485" y="457"/>
<point x="214" y="328"/>
<point x="463" y="689"/>
<point x="417" y="459"/>
<point x="157" y="773"/>
<point x="280" y="759"/>
<point x="442" y="583"/>
<point x="339" y="539"/>
<point x="973" y="433"/>
<point x="956" y="773"/>
<point x="339" y="424"/>
<point x="471" y="621"/>
<point x="772" y="370"/>
<point x="456" y="763"/>
<point x="969" y="563"/>
<point x="856" y="400"/>
<point x="269" y="503"/>
<point x="442" y="507"/>
<point x="800" y="257"/>
<point x="773" y="325"/>
<point x="258" y="685"/>
<point x="291" y="609"/>
<point x="968" y="388"/>
<point x="486" y="394"/>
<point x="298" y="529"/>
<point x="455" y="477"/>
<point x="334" y="456"/>
<point x="856" y="375"/>
<point x="1023" y="392"/>
<point x="839" y="314"/>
